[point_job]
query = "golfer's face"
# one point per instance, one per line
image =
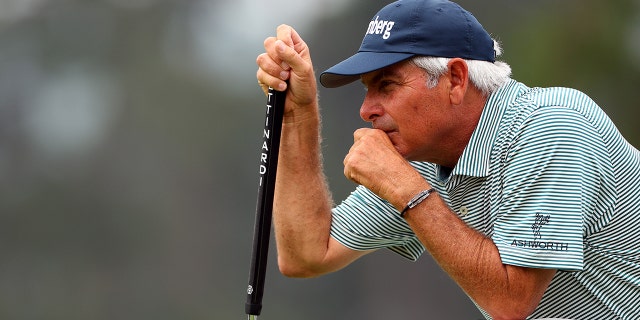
(399, 103)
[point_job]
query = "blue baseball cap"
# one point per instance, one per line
(408, 28)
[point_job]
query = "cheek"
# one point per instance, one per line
(402, 145)
(416, 133)
(419, 122)
(409, 136)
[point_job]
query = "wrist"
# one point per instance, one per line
(410, 186)
(416, 200)
(302, 114)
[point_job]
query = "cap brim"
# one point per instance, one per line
(358, 64)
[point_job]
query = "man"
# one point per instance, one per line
(527, 197)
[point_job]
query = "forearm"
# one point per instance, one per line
(470, 258)
(473, 261)
(302, 204)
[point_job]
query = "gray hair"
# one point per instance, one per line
(484, 75)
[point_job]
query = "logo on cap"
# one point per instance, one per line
(380, 27)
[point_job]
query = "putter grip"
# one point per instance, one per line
(262, 229)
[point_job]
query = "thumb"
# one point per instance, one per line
(286, 33)
(293, 60)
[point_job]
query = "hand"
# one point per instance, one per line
(286, 64)
(375, 163)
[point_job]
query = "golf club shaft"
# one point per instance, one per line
(266, 186)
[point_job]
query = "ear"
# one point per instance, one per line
(459, 77)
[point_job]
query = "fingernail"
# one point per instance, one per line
(284, 75)
(285, 65)
(282, 86)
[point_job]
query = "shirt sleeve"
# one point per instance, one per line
(549, 184)
(364, 221)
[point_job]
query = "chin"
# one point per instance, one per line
(404, 153)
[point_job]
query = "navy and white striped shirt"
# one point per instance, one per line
(548, 177)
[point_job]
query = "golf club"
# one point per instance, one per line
(266, 186)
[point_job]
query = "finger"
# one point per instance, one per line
(264, 88)
(292, 52)
(270, 48)
(272, 67)
(265, 63)
(298, 43)
(361, 133)
(348, 170)
(292, 39)
(290, 59)
(272, 71)
(286, 33)
(266, 80)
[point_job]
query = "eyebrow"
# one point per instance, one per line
(386, 72)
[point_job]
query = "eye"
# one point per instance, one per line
(384, 84)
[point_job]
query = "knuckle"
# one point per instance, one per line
(263, 61)
(268, 41)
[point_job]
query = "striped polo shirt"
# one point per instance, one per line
(548, 177)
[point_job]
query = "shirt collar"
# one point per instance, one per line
(476, 156)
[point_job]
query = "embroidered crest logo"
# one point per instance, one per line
(540, 221)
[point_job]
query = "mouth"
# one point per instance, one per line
(382, 128)
(388, 128)
(389, 132)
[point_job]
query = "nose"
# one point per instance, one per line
(370, 109)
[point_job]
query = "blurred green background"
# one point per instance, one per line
(129, 144)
